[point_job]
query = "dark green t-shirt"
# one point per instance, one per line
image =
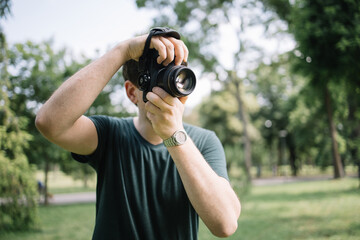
(139, 192)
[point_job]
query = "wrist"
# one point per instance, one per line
(178, 138)
(134, 47)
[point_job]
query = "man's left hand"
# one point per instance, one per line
(164, 112)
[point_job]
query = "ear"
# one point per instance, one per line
(131, 92)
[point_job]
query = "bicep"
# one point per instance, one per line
(81, 138)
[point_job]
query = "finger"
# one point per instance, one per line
(183, 99)
(165, 97)
(150, 107)
(157, 101)
(179, 48)
(150, 116)
(157, 44)
(186, 52)
(161, 99)
(170, 53)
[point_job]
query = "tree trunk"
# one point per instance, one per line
(353, 132)
(338, 167)
(243, 119)
(46, 195)
(292, 155)
(85, 180)
(280, 158)
(358, 165)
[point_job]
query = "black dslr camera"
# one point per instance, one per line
(178, 81)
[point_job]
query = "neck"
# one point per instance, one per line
(144, 127)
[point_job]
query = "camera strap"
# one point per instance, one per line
(158, 31)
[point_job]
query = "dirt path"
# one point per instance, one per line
(282, 180)
(71, 198)
(90, 197)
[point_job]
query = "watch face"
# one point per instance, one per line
(180, 137)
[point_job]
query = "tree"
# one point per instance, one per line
(277, 90)
(219, 112)
(201, 23)
(38, 70)
(18, 195)
(327, 34)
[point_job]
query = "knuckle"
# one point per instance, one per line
(171, 112)
(170, 47)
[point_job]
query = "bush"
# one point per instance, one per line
(18, 195)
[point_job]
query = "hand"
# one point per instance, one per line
(164, 112)
(168, 49)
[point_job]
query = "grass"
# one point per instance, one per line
(62, 183)
(60, 222)
(307, 210)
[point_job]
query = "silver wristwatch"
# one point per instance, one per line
(178, 138)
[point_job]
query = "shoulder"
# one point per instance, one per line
(108, 126)
(192, 130)
(200, 136)
(103, 120)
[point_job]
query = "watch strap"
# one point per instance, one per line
(172, 141)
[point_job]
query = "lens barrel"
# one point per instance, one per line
(179, 81)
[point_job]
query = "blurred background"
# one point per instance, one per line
(278, 81)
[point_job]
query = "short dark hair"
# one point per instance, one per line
(131, 72)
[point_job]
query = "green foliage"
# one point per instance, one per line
(18, 194)
(218, 113)
(328, 36)
(328, 45)
(37, 71)
(5, 8)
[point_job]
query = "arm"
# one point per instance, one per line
(211, 196)
(61, 118)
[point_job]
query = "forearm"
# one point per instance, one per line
(75, 95)
(211, 196)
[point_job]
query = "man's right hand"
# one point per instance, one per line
(168, 49)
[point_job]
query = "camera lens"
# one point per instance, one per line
(183, 82)
(179, 81)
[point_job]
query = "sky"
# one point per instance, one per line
(88, 26)
(84, 27)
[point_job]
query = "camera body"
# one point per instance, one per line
(178, 81)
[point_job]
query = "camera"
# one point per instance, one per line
(177, 80)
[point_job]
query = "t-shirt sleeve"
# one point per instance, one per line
(102, 125)
(214, 154)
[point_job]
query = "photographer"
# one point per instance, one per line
(155, 175)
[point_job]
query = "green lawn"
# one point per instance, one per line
(70, 222)
(307, 210)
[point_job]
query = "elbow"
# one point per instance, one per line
(39, 122)
(43, 125)
(226, 230)
(229, 226)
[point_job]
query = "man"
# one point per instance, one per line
(145, 189)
